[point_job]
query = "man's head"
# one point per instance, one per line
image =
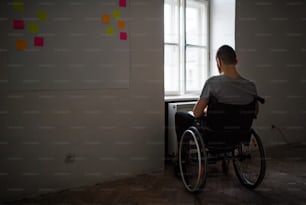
(226, 56)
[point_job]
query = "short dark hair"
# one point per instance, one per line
(227, 55)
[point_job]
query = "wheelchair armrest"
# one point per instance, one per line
(260, 99)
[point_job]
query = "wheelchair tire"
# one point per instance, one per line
(225, 167)
(192, 160)
(250, 163)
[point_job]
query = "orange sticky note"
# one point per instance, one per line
(121, 24)
(21, 45)
(106, 18)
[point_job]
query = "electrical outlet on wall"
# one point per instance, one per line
(280, 133)
(69, 158)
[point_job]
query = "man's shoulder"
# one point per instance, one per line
(214, 78)
(248, 81)
(219, 79)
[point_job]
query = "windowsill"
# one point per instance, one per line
(181, 98)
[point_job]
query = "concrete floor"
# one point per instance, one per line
(285, 183)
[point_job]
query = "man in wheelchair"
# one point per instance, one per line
(219, 124)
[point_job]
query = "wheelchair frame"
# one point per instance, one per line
(195, 155)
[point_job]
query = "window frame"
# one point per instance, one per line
(183, 46)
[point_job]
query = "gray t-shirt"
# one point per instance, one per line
(237, 91)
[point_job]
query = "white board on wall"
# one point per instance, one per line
(59, 45)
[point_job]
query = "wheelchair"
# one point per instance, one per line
(224, 135)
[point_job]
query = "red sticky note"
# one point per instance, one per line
(18, 24)
(38, 41)
(123, 36)
(122, 3)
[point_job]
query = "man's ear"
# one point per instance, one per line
(236, 61)
(218, 62)
(219, 65)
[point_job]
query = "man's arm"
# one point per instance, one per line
(199, 107)
(256, 108)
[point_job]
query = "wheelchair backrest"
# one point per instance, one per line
(228, 117)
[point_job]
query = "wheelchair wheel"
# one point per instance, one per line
(192, 160)
(225, 166)
(249, 162)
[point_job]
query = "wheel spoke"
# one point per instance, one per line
(250, 165)
(191, 156)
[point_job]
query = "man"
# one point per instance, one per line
(228, 87)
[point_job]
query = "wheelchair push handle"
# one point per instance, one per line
(260, 99)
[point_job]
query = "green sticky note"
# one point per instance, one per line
(109, 30)
(33, 27)
(42, 16)
(116, 14)
(18, 5)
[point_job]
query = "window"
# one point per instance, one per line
(185, 46)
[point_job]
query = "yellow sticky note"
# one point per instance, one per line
(42, 16)
(106, 18)
(116, 14)
(18, 5)
(109, 30)
(33, 28)
(121, 24)
(21, 45)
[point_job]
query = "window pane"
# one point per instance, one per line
(196, 68)
(171, 21)
(196, 22)
(171, 68)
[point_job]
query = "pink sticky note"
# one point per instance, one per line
(123, 36)
(122, 3)
(39, 41)
(18, 24)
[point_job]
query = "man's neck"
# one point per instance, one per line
(230, 71)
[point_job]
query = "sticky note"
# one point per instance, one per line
(121, 24)
(33, 28)
(109, 30)
(106, 18)
(38, 41)
(18, 5)
(116, 14)
(18, 24)
(122, 3)
(123, 36)
(42, 16)
(21, 45)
